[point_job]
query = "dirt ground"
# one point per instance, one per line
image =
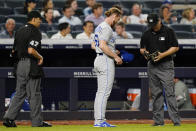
(87, 122)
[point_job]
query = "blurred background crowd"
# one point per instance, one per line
(77, 19)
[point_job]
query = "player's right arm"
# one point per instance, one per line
(104, 47)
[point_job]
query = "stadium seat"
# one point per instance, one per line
(136, 34)
(146, 11)
(78, 28)
(136, 27)
(19, 10)
(19, 18)
(55, 26)
(2, 19)
(107, 4)
(74, 33)
(2, 4)
(126, 11)
(59, 4)
(6, 11)
(52, 32)
(156, 10)
(15, 3)
(39, 4)
(82, 4)
(184, 35)
(18, 25)
(151, 4)
(179, 11)
(128, 4)
(44, 27)
(2, 27)
(182, 27)
(57, 19)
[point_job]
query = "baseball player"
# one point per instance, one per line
(104, 45)
(27, 45)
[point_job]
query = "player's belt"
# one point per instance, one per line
(99, 53)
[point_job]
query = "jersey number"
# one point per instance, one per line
(96, 39)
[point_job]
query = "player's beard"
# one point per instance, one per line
(113, 24)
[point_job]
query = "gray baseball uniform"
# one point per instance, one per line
(105, 68)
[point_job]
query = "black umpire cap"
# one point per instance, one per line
(33, 14)
(152, 19)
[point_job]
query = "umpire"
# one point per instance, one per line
(27, 46)
(161, 39)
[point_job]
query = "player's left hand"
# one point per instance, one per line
(159, 57)
(117, 52)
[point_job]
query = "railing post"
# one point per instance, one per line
(144, 100)
(73, 94)
(2, 97)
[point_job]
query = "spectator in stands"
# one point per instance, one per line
(48, 16)
(167, 16)
(74, 6)
(188, 16)
(88, 10)
(182, 95)
(68, 16)
(96, 16)
(137, 17)
(168, 3)
(29, 6)
(48, 4)
(64, 32)
(9, 29)
(120, 32)
(88, 34)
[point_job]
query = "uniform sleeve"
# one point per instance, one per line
(105, 34)
(35, 40)
(172, 41)
(143, 41)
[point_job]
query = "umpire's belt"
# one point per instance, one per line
(99, 54)
(24, 58)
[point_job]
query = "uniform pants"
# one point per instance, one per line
(26, 87)
(161, 78)
(105, 69)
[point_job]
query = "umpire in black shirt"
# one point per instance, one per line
(162, 40)
(27, 46)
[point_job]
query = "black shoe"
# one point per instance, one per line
(9, 123)
(45, 124)
(177, 124)
(156, 124)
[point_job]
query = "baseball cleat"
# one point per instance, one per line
(104, 124)
(156, 124)
(9, 123)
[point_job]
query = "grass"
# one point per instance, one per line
(130, 127)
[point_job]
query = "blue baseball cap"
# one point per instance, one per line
(126, 57)
(167, 2)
